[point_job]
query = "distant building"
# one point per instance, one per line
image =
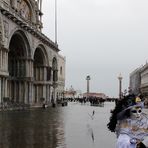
(139, 82)
(70, 93)
(135, 81)
(97, 95)
(144, 80)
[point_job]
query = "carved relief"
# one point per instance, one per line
(14, 4)
(23, 9)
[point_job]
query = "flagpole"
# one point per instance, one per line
(55, 21)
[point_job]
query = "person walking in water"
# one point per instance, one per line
(129, 123)
(92, 116)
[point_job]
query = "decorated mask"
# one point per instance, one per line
(135, 112)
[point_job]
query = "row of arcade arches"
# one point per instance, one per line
(30, 74)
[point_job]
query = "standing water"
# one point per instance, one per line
(74, 126)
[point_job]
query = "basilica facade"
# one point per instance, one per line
(31, 68)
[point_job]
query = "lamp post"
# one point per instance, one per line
(120, 86)
(88, 79)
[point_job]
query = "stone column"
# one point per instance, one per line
(30, 93)
(37, 93)
(40, 73)
(3, 90)
(37, 73)
(17, 68)
(14, 67)
(30, 68)
(45, 73)
(26, 63)
(32, 72)
(14, 91)
(55, 95)
(20, 92)
(4, 59)
(31, 85)
(52, 75)
(0, 90)
(25, 92)
(6, 89)
(51, 93)
(7, 60)
(1, 59)
(47, 93)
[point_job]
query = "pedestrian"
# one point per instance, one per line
(129, 122)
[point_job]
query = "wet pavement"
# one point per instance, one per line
(73, 126)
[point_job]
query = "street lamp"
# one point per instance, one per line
(120, 86)
(88, 79)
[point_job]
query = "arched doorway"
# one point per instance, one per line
(18, 57)
(41, 80)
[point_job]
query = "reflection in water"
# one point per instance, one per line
(31, 129)
(90, 125)
(73, 126)
(91, 133)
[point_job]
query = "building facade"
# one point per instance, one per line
(144, 80)
(94, 95)
(135, 81)
(31, 69)
(139, 80)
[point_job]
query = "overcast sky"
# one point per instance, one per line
(100, 38)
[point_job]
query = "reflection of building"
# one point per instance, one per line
(30, 65)
(97, 95)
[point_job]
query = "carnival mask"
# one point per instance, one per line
(135, 112)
